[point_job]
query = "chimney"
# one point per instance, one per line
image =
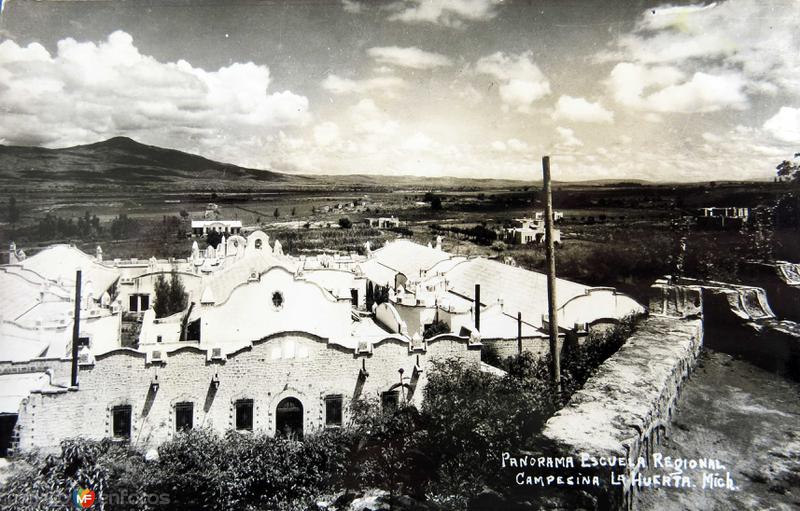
(477, 307)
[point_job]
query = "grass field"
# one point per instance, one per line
(618, 236)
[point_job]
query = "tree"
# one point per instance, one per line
(345, 223)
(213, 238)
(161, 303)
(277, 213)
(123, 227)
(170, 296)
(381, 294)
(293, 212)
(177, 294)
(788, 170)
(13, 211)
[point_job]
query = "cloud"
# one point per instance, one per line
(512, 144)
(352, 6)
(411, 57)
(666, 89)
(450, 13)
(568, 137)
(785, 125)
(521, 81)
(326, 134)
(499, 145)
(368, 119)
(573, 109)
(744, 37)
(87, 92)
(385, 84)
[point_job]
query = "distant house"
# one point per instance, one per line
(227, 227)
(722, 217)
(539, 216)
(529, 231)
(383, 222)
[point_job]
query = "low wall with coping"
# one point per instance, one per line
(624, 410)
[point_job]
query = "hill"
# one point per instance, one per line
(121, 162)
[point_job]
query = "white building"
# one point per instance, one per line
(226, 227)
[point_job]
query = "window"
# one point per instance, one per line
(333, 410)
(121, 422)
(390, 401)
(184, 416)
(244, 414)
(138, 303)
(277, 300)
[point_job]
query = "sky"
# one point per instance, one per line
(467, 88)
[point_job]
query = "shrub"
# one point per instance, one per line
(436, 328)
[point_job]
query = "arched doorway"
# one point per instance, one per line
(289, 419)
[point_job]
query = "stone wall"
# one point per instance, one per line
(625, 409)
(781, 281)
(289, 364)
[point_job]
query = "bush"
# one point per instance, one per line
(345, 223)
(473, 417)
(436, 328)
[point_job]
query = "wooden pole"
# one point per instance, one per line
(477, 313)
(555, 367)
(76, 328)
(519, 333)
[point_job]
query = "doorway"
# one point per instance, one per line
(7, 423)
(289, 419)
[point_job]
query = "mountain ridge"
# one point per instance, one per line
(124, 162)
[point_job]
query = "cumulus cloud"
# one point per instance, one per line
(568, 137)
(785, 125)
(667, 89)
(521, 81)
(573, 109)
(411, 57)
(326, 133)
(450, 13)
(367, 118)
(385, 84)
(715, 44)
(87, 92)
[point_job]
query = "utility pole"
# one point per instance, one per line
(76, 328)
(555, 367)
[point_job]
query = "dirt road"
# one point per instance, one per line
(747, 418)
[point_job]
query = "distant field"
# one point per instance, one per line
(613, 235)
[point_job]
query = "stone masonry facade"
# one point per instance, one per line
(287, 365)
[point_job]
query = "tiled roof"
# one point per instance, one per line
(409, 258)
(20, 292)
(378, 273)
(521, 290)
(59, 262)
